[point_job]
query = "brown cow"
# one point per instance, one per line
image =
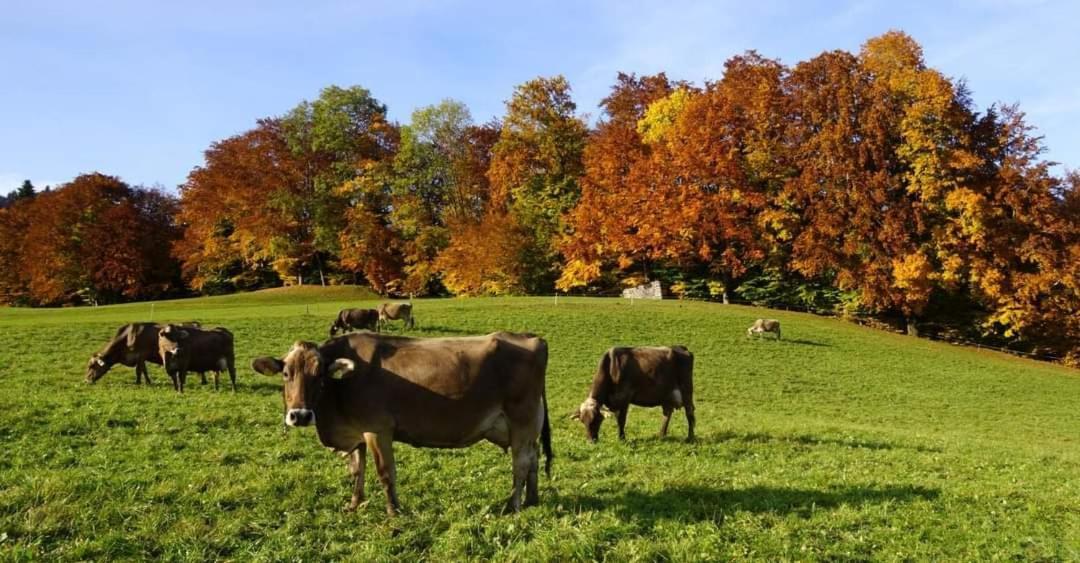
(184, 349)
(133, 345)
(355, 319)
(365, 390)
(643, 376)
(396, 312)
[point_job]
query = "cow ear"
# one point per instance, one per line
(268, 366)
(341, 368)
(576, 415)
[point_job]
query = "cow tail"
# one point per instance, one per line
(545, 438)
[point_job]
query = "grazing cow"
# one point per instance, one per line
(185, 349)
(133, 345)
(762, 326)
(643, 376)
(363, 391)
(396, 312)
(355, 319)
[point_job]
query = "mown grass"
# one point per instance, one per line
(838, 442)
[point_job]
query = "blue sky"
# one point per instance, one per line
(140, 88)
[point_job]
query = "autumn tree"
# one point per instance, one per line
(334, 139)
(482, 254)
(95, 239)
(425, 187)
(535, 169)
(239, 211)
(604, 233)
(1016, 233)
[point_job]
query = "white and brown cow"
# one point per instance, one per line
(396, 312)
(761, 326)
(364, 391)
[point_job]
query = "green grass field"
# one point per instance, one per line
(839, 442)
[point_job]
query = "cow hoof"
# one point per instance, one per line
(353, 505)
(511, 507)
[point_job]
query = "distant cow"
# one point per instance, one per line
(350, 319)
(183, 349)
(396, 312)
(762, 326)
(643, 376)
(363, 391)
(133, 345)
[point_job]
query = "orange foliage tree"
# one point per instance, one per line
(95, 239)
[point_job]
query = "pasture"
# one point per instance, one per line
(838, 442)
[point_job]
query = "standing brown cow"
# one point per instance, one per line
(364, 391)
(643, 376)
(349, 319)
(133, 345)
(185, 349)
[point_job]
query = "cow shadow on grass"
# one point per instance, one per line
(700, 503)
(811, 440)
(803, 342)
(437, 329)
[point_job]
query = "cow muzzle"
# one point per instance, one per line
(299, 417)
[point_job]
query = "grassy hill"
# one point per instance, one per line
(837, 442)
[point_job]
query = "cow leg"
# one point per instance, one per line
(686, 389)
(382, 450)
(231, 365)
(357, 460)
(217, 376)
(667, 419)
(202, 377)
(532, 494)
(522, 463)
(620, 417)
(181, 376)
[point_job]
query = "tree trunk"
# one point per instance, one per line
(911, 326)
(318, 264)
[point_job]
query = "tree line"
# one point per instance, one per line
(861, 183)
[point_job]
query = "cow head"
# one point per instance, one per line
(334, 328)
(590, 414)
(172, 338)
(304, 372)
(96, 367)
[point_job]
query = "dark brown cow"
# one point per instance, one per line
(396, 312)
(643, 376)
(355, 319)
(365, 390)
(133, 345)
(184, 349)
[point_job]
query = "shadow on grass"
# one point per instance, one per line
(806, 342)
(436, 329)
(703, 503)
(811, 440)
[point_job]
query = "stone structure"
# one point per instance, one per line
(648, 291)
